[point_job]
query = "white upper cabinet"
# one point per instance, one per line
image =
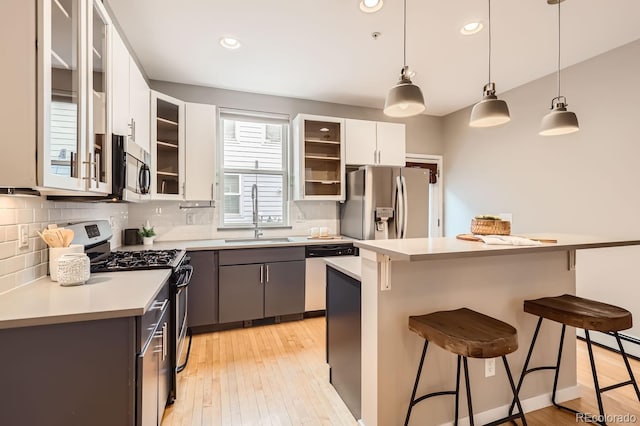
(375, 143)
(131, 97)
(167, 148)
(391, 142)
(139, 101)
(59, 97)
(200, 155)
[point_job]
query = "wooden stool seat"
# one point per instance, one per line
(581, 313)
(467, 333)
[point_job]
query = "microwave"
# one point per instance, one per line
(131, 175)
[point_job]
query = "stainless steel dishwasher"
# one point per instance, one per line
(316, 273)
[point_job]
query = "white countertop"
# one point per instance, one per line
(105, 295)
(193, 245)
(415, 249)
(349, 265)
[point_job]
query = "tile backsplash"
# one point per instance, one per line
(21, 265)
(172, 223)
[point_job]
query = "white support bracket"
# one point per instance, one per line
(384, 272)
(571, 260)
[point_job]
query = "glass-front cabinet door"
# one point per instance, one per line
(61, 50)
(99, 100)
(74, 131)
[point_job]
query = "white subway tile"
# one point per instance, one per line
(11, 265)
(7, 282)
(10, 202)
(24, 215)
(8, 250)
(33, 259)
(12, 233)
(7, 217)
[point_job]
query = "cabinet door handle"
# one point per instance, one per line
(379, 152)
(261, 274)
(164, 341)
(267, 273)
(375, 153)
(159, 306)
(212, 192)
(132, 127)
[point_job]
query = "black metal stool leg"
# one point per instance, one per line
(514, 390)
(457, 391)
(526, 364)
(595, 375)
(466, 383)
(415, 386)
(555, 378)
(626, 363)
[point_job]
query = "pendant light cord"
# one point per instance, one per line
(558, 74)
(489, 42)
(404, 62)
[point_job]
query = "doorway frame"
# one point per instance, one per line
(436, 219)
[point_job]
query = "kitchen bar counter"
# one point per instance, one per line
(418, 276)
(105, 295)
(414, 249)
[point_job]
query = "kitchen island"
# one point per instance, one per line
(417, 276)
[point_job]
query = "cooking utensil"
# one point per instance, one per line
(67, 236)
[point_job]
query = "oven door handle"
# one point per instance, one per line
(188, 269)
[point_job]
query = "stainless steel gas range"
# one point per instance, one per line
(95, 237)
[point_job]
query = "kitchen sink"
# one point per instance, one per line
(257, 240)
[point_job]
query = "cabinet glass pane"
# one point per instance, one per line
(99, 76)
(322, 159)
(64, 129)
(167, 141)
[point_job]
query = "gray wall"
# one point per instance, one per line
(585, 183)
(424, 133)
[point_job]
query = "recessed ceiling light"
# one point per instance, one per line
(471, 28)
(230, 43)
(370, 6)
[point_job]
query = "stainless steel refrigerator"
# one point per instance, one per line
(386, 202)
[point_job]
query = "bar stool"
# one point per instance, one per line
(466, 333)
(580, 313)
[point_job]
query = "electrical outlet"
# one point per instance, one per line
(112, 222)
(190, 219)
(489, 367)
(23, 236)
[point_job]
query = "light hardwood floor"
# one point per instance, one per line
(277, 375)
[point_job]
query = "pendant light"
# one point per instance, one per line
(490, 111)
(405, 98)
(559, 121)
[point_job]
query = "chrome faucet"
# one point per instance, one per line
(254, 201)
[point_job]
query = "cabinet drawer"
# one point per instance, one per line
(260, 255)
(150, 319)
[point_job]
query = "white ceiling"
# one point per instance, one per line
(323, 49)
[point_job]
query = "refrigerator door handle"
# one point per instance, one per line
(399, 208)
(405, 208)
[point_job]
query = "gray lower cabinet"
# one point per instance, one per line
(260, 283)
(283, 293)
(203, 289)
(241, 292)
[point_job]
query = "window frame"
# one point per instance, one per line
(255, 117)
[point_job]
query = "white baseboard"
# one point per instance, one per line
(528, 405)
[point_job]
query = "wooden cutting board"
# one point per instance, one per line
(471, 237)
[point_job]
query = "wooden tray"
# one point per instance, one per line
(471, 237)
(328, 237)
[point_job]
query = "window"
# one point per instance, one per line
(254, 153)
